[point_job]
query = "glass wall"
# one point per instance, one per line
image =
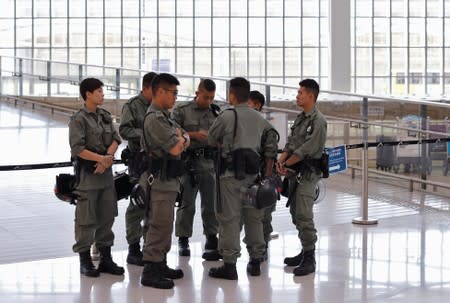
(277, 41)
(399, 47)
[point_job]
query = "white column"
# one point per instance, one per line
(339, 53)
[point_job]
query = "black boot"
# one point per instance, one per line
(226, 271)
(183, 247)
(107, 264)
(87, 268)
(294, 261)
(253, 267)
(172, 273)
(153, 276)
(135, 255)
(308, 264)
(211, 253)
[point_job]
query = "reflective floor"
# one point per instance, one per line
(404, 258)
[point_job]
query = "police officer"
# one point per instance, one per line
(238, 133)
(93, 142)
(164, 141)
(196, 117)
(256, 101)
(131, 124)
(304, 147)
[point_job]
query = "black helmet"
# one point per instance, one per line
(138, 196)
(263, 193)
(123, 185)
(65, 187)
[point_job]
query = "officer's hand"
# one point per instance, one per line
(107, 161)
(201, 135)
(99, 168)
(281, 169)
(187, 141)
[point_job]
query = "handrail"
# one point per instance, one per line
(331, 92)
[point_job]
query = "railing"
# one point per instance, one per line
(353, 118)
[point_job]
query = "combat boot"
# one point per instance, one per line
(107, 264)
(211, 253)
(183, 247)
(172, 273)
(153, 276)
(135, 255)
(308, 264)
(253, 267)
(294, 261)
(87, 268)
(226, 271)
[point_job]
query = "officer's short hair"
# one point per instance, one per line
(162, 80)
(148, 79)
(312, 86)
(240, 88)
(207, 84)
(89, 85)
(258, 97)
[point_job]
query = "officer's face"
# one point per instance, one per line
(96, 96)
(204, 98)
(169, 95)
(304, 97)
(254, 104)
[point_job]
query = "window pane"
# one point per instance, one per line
(292, 8)
(76, 55)
(94, 8)
(257, 63)
(381, 67)
(94, 56)
(274, 31)
(220, 32)
(202, 7)
(274, 8)
(202, 31)
(23, 32)
(167, 60)
(434, 56)
(147, 57)
(400, 8)
(381, 32)
(220, 64)
(94, 32)
(220, 8)
(185, 8)
(113, 57)
(131, 8)
(77, 32)
(434, 32)
(238, 62)
(7, 33)
(311, 8)
(203, 61)
(77, 8)
(381, 86)
(256, 35)
(399, 57)
(167, 8)
(59, 32)
(293, 61)
(434, 8)
(238, 8)
(417, 8)
(255, 8)
(417, 32)
(381, 8)
(184, 32)
(149, 8)
(292, 32)
(310, 62)
(131, 58)
(167, 32)
(184, 61)
(112, 32)
(148, 27)
(310, 32)
(41, 8)
(130, 32)
(363, 62)
(238, 32)
(274, 62)
(363, 32)
(23, 8)
(7, 10)
(363, 8)
(399, 35)
(59, 8)
(417, 59)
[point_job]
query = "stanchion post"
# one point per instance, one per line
(20, 77)
(365, 220)
(117, 88)
(423, 147)
(49, 75)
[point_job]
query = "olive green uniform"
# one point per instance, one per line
(307, 139)
(249, 131)
(200, 176)
(96, 204)
(131, 125)
(158, 138)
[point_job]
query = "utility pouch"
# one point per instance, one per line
(323, 165)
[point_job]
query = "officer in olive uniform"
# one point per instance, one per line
(164, 141)
(131, 124)
(93, 142)
(256, 101)
(238, 133)
(303, 149)
(196, 117)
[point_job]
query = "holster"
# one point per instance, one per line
(166, 168)
(242, 161)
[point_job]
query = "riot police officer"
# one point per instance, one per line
(302, 153)
(131, 124)
(93, 142)
(163, 140)
(196, 117)
(238, 134)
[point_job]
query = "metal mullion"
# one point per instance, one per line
(212, 39)
(50, 25)
(355, 87)
(140, 50)
(426, 49)
(373, 47)
(390, 48)
(176, 37)
(121, 34)
(157, 35)
(320, 44)
(85, 32)
(68, 34)
(443, 49)
(301, 39)
(229, 38)
(248, 38)
(104, 35)
(193, 42)
(284, 43)
(265, 40)
(408, 52)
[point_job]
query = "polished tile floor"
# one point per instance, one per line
(404, 258)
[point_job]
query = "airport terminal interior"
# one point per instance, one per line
(383, 215)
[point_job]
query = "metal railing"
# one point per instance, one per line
(362, 113)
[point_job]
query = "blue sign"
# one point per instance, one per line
(448, 149)
(337, 159)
